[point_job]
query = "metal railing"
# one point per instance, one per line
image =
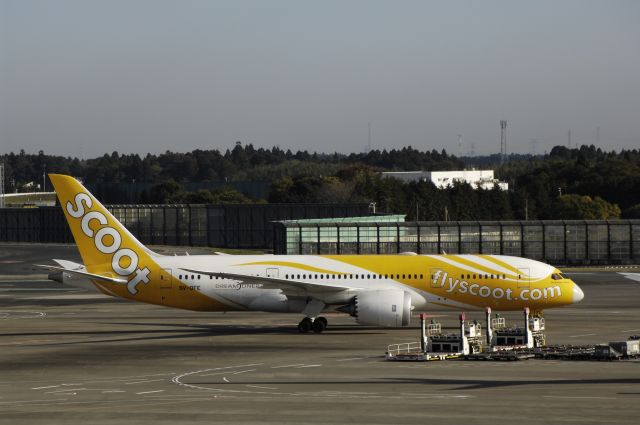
(404, 348)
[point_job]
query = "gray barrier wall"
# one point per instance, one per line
(575, 242)
(224, 226)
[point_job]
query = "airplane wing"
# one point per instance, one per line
(84, 273)
(289, 287)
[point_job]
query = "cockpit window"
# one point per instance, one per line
(556, 276)
(562, 276)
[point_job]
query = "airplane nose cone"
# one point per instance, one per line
(578, 295)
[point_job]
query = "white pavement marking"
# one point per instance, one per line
(310, 365)
(244, 371)
(576, 336)
(348, 360)
(631, 330)
(150, 392)
(146, 380)
(262, 388)
(224, 378)
(66, 390)
(287, 365)
(11, 314)
(632, 276)
(43, 388)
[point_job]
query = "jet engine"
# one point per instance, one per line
(390, 308)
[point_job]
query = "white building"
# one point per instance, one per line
(482, 179)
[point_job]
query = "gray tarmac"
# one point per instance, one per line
(68, 356)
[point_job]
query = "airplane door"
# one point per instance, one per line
(166, 280)
(523, 278)
(272, 272)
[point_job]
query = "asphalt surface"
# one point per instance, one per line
(68, 356)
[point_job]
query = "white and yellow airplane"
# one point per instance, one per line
(379, 290)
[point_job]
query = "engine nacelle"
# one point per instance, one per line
(382, 308)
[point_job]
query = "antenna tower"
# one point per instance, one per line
(503, 140)
(459, 145)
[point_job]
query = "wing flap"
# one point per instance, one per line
(289, 286)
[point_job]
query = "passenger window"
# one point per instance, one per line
(193, 277)
(474, 276)
(421, 277)
(356, 276)
(415, 276)
(199, 277)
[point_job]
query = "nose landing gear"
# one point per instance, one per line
(317, 326)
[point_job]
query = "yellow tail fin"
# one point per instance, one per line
(106, 246)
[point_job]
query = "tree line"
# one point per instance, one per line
(580, 183)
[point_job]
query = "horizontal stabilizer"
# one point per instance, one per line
(85, 274)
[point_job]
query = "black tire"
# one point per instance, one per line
(322, 319)
(318, 326)
(305, 325)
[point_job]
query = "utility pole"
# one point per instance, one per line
(446, 213)
(459, 145)
(1, 184)
(526, 208)
(569, 139)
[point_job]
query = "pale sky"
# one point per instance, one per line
(82, 77)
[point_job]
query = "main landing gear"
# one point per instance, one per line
(307, 324)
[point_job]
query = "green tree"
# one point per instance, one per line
(584, 207)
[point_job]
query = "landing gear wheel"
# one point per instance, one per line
(305, 325)
(323, 320)
(319, 325)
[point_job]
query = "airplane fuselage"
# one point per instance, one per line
(460, 281)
